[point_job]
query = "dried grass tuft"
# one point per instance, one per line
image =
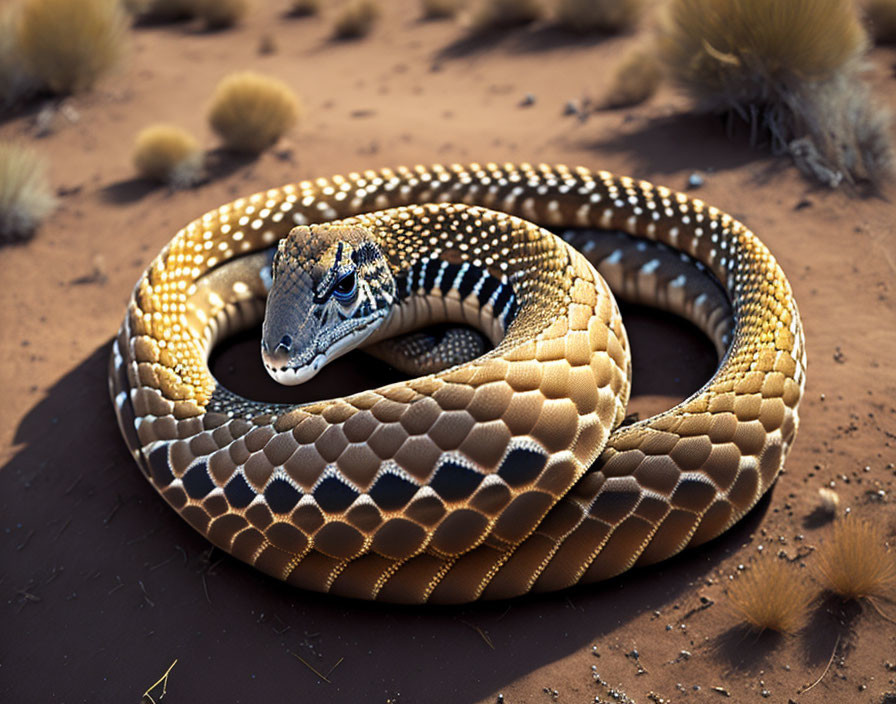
(771, 595)
(303, 8)
(221, 14)
(611, 16)
(250, 112)
(15, 81)
(441, 9)
(791, 70)
(488, 15)
(356, 19)
(855, 561)
(70, 44)
(881, 17)
(25, 195)
(635, 79)
(168, 154)
(162, 10)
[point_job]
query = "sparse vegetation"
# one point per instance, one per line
(356, 19)
(771, 595)
(302, 8)
(162, 10)
(25, 195)
(15, 81)
(69, 44)
(250, 112)
(498, 14)
(881, 16)
(168, 154)
(220, 14)
(791, 70)
(440, 9)
(610, 16)
(855, 561)
(635, 80)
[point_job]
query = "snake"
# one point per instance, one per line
(509, 473)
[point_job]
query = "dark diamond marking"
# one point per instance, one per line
(238, 492)
(197, 482)
(333, 495)
(453, 481)
(158, 466)
(281, 496)
(521, 466)
(391, 492)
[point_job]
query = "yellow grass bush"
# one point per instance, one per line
(771, 595)
(881, 16)
(635, 79)
(15, 80)
(69, 44)
(855, 561)
(162, 10)
(168, 154)
(302, 8)
(220, 14)
(25, 195)
(250, 112)
(790, 69)
(356, 19)
(598, 15)
(497, 14)
(440, 9)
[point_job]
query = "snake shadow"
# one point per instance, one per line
(105, 586)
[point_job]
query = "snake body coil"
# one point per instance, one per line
(495, 477)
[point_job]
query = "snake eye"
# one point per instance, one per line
(345, 287)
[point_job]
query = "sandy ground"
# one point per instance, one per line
(104, 586)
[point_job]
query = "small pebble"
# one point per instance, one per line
(695, 180)
(571, 108)
(528, 100)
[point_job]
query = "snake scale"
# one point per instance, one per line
(495, 477)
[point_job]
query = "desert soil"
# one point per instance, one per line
(104, 586)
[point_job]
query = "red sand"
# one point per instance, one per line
(105, 586)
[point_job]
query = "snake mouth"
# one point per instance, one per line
(292, 374)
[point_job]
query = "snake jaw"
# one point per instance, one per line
(283, 370)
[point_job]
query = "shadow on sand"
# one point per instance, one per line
(96, 558)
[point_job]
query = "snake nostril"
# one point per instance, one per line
(285, 342)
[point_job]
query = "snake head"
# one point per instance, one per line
(332, 287)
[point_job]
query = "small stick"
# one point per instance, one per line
(488, 641)
(338, 662)
(118, 505)
(311, 667)
(61, 530)
(163, 680)
(821, 677)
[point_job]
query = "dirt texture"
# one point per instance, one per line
(104, 586)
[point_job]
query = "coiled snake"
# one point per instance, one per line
(489, 479)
